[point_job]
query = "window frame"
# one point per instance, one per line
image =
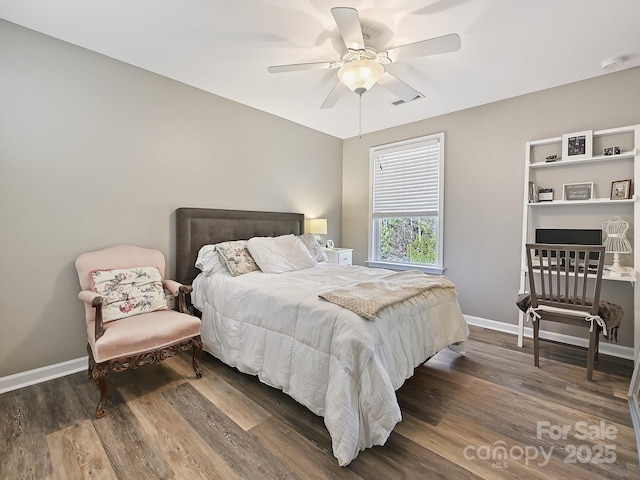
(373, 240)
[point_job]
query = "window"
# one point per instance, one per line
(407, 204)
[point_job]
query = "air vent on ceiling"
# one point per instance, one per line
(402, 102)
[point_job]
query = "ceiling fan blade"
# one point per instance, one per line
(348, 23)
(433, 46)
(398, 87)
(338, 89)
(298, 66)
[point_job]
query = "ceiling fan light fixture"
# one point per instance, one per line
(360, 75)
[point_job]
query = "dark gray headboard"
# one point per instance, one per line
(196, 227)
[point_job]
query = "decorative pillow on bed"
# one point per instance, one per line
(280, 254)
(209, 261)
(236, 256)
(314, 247)
(129, 291)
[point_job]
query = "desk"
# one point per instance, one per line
(629, 274)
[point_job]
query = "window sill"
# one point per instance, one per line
(431, 269)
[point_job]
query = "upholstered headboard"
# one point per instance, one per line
(196, 227)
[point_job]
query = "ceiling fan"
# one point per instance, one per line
(361, 67)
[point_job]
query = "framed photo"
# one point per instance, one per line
(607, 151)
(620, 189)
(577, 191)
(576, 146)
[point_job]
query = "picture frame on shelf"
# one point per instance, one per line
(577, 191)
(608, 151)
(577, 146)
(621, 189)
(545, 194)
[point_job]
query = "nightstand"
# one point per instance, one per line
(339, 256)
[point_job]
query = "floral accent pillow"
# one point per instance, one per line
(314, 247)
(129, 291)
(236, 256)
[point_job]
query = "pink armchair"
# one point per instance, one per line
(147, 331)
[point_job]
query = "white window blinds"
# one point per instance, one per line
(407, 179)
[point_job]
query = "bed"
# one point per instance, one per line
(338, 364)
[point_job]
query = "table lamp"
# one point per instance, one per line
(616, 242)
(317, 227)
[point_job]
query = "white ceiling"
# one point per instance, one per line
(509, 48)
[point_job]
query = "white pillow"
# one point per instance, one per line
(209, 261)
(280, 254)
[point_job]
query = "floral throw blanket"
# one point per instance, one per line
(368, 298)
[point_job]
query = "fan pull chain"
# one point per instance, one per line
(360, 116)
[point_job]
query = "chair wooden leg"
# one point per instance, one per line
(99, 375)
(98, 371)
(101, 381)
(197, 348)
(591, 353)
(91, 361)
(536, 346)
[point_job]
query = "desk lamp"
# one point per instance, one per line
(616, 242)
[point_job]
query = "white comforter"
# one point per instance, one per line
(334, 362)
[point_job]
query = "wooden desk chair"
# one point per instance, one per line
(564, 286)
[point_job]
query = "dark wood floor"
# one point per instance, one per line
(457, 412)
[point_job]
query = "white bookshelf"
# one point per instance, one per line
(599, 169)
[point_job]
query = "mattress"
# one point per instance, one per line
(329, 359)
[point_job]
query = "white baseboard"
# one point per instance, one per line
(42, 374)
(605, 348)
(38, 375)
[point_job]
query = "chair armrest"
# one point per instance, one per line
(95, 300)
(180, 291)
(172, 286)
(89, 296)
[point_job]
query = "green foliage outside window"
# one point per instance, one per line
(408, 239)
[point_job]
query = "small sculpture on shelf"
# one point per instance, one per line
(616, 243)
(551, 158)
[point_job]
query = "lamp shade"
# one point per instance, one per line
(360, 75)
(318, 226)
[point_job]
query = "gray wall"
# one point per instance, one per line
(95, 152)
(484, 172)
